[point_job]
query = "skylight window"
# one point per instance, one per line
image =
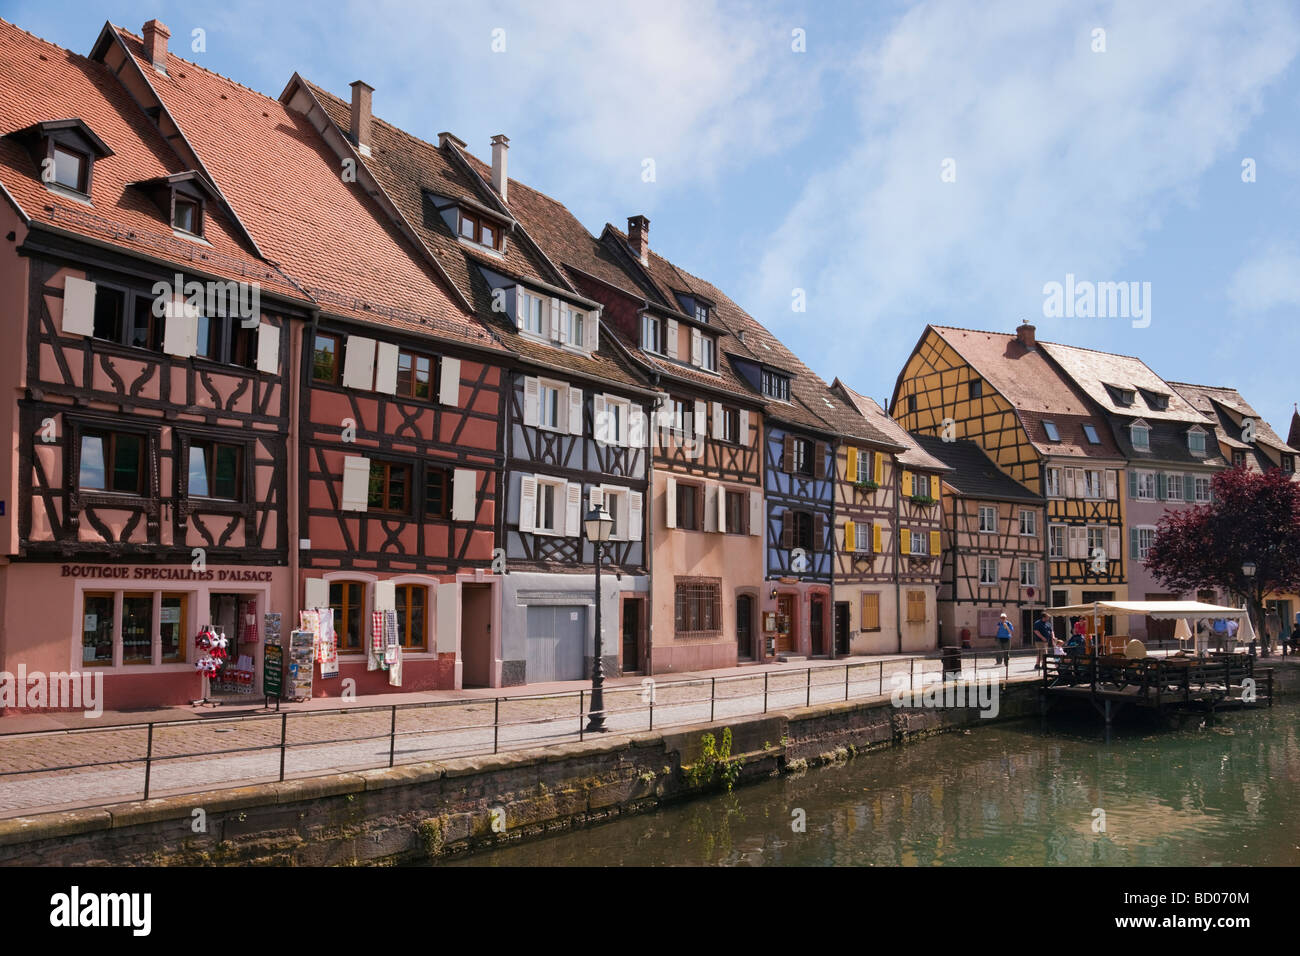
(1051, 430)
(1091, 434)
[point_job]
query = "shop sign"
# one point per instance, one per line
(101, 572)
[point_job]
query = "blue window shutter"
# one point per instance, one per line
(1132, 483)
(1133, 543)
(1161, 484)
(1189, 488)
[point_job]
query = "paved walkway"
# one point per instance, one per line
(212, 748)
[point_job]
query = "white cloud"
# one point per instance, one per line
(1066, 161)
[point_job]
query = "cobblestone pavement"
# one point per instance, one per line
(39, 771)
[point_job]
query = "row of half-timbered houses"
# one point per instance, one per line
(278, 354)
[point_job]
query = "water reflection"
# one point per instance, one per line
(1016, 794)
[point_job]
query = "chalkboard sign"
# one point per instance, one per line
(272, 670)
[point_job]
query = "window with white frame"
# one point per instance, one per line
(988, 572)
(708, 353)
(1196, 441)
(615, 501)
(1096, 540)
(921, 486)
(1174, 487)
(1141, 436)
(1028, 523)
(1144, 485)
(988, 519)
(532, 307)
(574, 325)
(1028, 574)
(1202, 488)
(1053, 482)
(920, 542)
(550, 506)
(1092, 484)
(1142, 539)
(653, 335)
(552, 401)
(864, 466)
(1056, 541)
(613, 421)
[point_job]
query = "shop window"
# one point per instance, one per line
(346, 599)
(325, 363)
(137, 628)
(97, 628)
(412, 604)
(112, 461)
(216, 471)
(172, 627)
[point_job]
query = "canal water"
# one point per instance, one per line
(1223, 793)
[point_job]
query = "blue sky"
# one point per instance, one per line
(821, 169)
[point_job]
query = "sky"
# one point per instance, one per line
(851, 172)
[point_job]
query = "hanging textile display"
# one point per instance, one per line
(248, 621)
(395, 667)
(375, 646)
(329, 645)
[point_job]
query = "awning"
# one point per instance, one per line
(1160, 610)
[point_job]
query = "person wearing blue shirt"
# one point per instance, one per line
(1005, 630)
(1043, 634)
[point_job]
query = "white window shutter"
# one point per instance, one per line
(532, 390)
(317, 593)
(555, 320)
(636, 429)
(595, 497)
(591, 331)
(448, 617)
(385, 596)
(181, 329)
(701, 410)
(710, 507)
(359, 363)
(601, 430)
(717, 419)
(386, 368)
(449, 383)
(527, 502)
(356, 483)
(521, 306)
(575, 411)
(756, 512)
(1111, 485)
(670, 347)
(743, 436)
(464, 486)
(573, 511)
(78, 306)
(670, 502)
(1114, 544)
(722, 509)
(645, 331)
(268, 348)
(635, 504)
(697, 348)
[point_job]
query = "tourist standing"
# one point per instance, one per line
(1043, 634)
(1005, 630)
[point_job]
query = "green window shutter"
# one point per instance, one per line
(1189, 488)
(1133, 543)
(1162, 483)
(1132, 483)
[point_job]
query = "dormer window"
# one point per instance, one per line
(1140, 433)
(182, 197)
(1196, 441)
(1156, 401)
(64, 152)
(1124, 397)
(701, 312)
(187, 215)
(776, 386)
(478, 229)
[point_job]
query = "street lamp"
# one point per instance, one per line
(599, 527)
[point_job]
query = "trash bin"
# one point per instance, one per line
(951, 657)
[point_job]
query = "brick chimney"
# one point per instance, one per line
(360, 122)
(500, 146)
(155, 44)
(1025, 335)
(638, 236)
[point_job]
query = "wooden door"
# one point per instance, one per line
(816, 625)
(632, 634)
(785, 623)
(745, 627)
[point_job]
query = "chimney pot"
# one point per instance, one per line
(155, 44)
(1025, 335)
(638, 236)
(500, 179)
(360, 120)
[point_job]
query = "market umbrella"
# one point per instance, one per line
(1247, 632)
(1182, 631)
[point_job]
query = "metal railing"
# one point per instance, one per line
(429, 731)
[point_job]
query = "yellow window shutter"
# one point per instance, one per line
(880, 468)
(904, 541)
(849, 530)
(907, 484)
(934, 542)
(851, 472)
(875, 538)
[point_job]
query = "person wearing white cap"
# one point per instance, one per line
(1005, 630)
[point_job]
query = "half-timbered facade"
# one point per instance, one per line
(399, 392)
(994, 550)
(574, 416)
(1003, 393)
(889, 502)
(148, 388)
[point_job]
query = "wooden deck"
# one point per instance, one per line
(1111, 682)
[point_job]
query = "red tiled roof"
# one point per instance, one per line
(913, 454)
(284, 183)
(43, 82)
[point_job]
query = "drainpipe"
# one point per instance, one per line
(297, 378)
(898, 554)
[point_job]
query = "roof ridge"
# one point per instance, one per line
(208, 70)
(43, 41)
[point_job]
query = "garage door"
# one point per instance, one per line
(556, 638)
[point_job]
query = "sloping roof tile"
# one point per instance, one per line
(972, 473)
